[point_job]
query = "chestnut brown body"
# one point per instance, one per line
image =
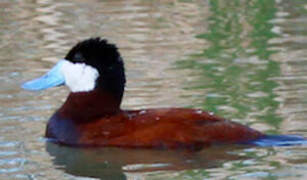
(95, 119)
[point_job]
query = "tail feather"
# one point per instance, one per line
(279, 140)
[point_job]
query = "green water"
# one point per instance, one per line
(236, 67)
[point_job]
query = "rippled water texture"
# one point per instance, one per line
(245, 60)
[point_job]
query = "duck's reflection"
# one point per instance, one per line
(112, 163)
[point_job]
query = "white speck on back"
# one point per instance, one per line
(211, 113)
(142, 112)
(199, 111)
(79, 77)
(106, 133)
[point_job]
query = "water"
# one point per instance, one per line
(245, 60)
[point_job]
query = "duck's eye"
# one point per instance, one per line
(78, 58)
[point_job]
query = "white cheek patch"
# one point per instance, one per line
(79, 77)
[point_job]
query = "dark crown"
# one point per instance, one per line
(91, 51)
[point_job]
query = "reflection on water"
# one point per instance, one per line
(117, 163)
(243, 59)
(235, 70)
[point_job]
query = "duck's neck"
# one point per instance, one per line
(86, 106)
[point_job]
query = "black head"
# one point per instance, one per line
(104, 57)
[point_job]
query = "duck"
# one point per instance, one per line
(91, 116)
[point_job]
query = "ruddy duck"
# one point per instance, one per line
(91, 116)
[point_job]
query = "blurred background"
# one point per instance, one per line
(245, 60)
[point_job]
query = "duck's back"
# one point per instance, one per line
(160, 128)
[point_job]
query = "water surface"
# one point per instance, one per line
(245, 60)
